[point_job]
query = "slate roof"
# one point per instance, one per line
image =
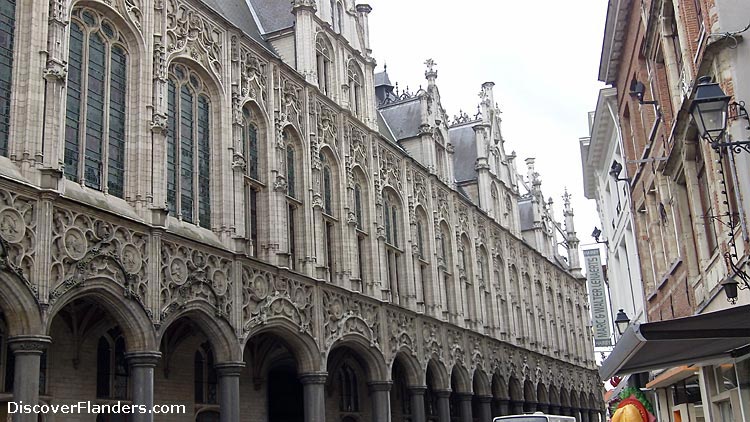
(238, 13)
(464, 152)
(384, 130)
(272, 14)
(404, 118)
(526, 213)
(381, 78)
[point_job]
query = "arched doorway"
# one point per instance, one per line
(273, 371)
(401, 406)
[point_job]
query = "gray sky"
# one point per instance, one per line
(542, 55)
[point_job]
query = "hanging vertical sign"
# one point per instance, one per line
(597, 298)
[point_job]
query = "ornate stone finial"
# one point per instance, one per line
(303, 4)
(430, 65)
(431, 72)
(566, 201)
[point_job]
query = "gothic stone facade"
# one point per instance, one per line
(190, 214)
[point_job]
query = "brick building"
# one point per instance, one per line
(207, 203)
(689, 199)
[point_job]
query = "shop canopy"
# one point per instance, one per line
(696, 339)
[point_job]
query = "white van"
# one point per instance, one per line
(534, 417)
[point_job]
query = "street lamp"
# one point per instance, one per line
(615, 171)
(622, 321)
(710, 109)
(596, 233)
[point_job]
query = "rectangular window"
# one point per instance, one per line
(361, 258)
(291, 236)
(186, 154)
(116, 159)
(73, 102)
(94, 113)
(171, 149)
(204, 165)
(706, 205)
(252, 222)
(7, 27)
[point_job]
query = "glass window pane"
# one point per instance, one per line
(172, 148)
(7, 26)
(204, 164)
(94, 112)
(73, 102)
(186, 154)
(116, 165)
(290, 171)
(252, 148)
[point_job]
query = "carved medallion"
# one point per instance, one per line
(75, 243)
(12, 227)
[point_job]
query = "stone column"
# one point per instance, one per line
(542, 407)
(516, 407)
(554, 410)
(142, 366)
(584, 415)
(444, 405)
(229, 390)
(464, 405)
(313, 385)
(485, 408)
(593, 415)
(27, 351)
(503, 407)
(380, 391)
(417, 403)
(529, 407)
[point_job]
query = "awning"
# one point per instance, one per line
(680, 341)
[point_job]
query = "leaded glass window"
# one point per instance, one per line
(355, 89)
(420, 241)
(205, 376)
(250, 143)
(324, 63)
(327, 188)
(358, 204)
(7, 27)
(188, 147)
(111, 367)
(96, 104)
(290, 180)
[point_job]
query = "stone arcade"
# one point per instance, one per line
(206, 203)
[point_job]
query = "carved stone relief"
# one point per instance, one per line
(189, 274)
(84, 248)
(18, 235)
(345, 315)
(190, 32)
(266, 297)
(402, 333)
(390, 169)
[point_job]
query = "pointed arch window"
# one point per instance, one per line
(96, 103)
(362, 222)
(358, 204)
(340, 16)
(250, 143)
(324, 62)
(355, 89)
(111, 367)
(348, 389)
(206, 380)
(7, 29)
(393, 253)
(188, 147)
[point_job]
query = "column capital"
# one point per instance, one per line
(313, 378)
(417, 389)
(485, 399)
(29, 344)
(380, 385)
(464, 396)
(228, 369)
(443, 394)
(144, 358)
